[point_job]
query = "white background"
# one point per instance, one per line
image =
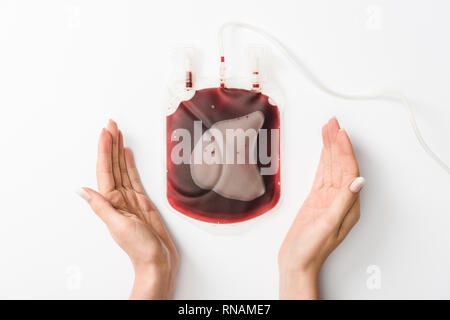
(68, 66)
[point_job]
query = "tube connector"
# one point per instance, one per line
(189, 85)
(254, 56)
(222, 72)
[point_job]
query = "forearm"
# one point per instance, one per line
(299, 285)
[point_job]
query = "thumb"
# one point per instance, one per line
(346, 198)
(100, 205)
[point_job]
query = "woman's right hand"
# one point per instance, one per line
(132, 219)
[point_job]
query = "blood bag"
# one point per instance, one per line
(223, 141)
(223, 147)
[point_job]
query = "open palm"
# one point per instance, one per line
(129, 214)
(330, 210)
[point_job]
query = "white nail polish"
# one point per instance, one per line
(83, 194)
(357, 185)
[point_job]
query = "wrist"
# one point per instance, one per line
(151, 282)
(299, 284)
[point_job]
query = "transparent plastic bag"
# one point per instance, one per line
(228, 193)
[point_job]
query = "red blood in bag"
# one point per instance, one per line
(210, 106)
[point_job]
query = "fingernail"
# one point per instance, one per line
(357, 185)
(83, 194)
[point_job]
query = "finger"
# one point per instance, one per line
(101, 207)
(318, 179)
(350, 220)
(336, 172)
(326, 156)
(320, 173)
(344, 200)
(333, 128)
(114, 131)
(105, 178)
(132, 171)
(346, 157)
(123, 166)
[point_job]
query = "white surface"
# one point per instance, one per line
(68, 66)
